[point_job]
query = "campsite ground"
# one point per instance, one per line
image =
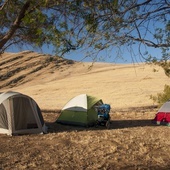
(133, 142)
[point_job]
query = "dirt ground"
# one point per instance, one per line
(133, 142)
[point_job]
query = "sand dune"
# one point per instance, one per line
(53, 82)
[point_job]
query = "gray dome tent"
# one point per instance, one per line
(20, 114)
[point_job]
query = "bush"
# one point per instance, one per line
(161, 98)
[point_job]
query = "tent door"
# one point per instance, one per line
(24, 114)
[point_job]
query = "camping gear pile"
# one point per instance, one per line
(103, 115)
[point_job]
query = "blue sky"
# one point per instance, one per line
(127, 56)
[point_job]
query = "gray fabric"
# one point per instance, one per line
(23, 117)
(165, 107)
(40, 115)
(4, 96)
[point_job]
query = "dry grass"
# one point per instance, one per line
(132, 143)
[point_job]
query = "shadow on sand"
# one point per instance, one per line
(120, 124)
(115, 124)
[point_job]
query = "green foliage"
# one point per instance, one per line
(164, 62)
(96, 25)
(161, 98)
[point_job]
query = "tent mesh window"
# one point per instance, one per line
(3, 117)
(24, 114)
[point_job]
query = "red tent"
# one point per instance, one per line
(163, 115)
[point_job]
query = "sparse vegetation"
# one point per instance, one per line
(13, 82)
(164, 64)
(49, 59)
(161, 98)
(26, 64)
(10, 60)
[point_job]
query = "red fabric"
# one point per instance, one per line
(162, 116)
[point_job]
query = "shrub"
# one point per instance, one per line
(161, 98)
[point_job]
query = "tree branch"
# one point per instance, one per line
(2, 6)
(15, 25)
(148, 42)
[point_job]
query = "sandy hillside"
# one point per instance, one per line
(53, 82)
(133, 142)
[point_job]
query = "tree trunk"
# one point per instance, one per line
(15, 25)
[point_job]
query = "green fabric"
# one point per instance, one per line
(91, 115)
(73, 116)
(79, 117)
(91, 101)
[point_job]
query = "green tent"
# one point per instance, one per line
(80, 110)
